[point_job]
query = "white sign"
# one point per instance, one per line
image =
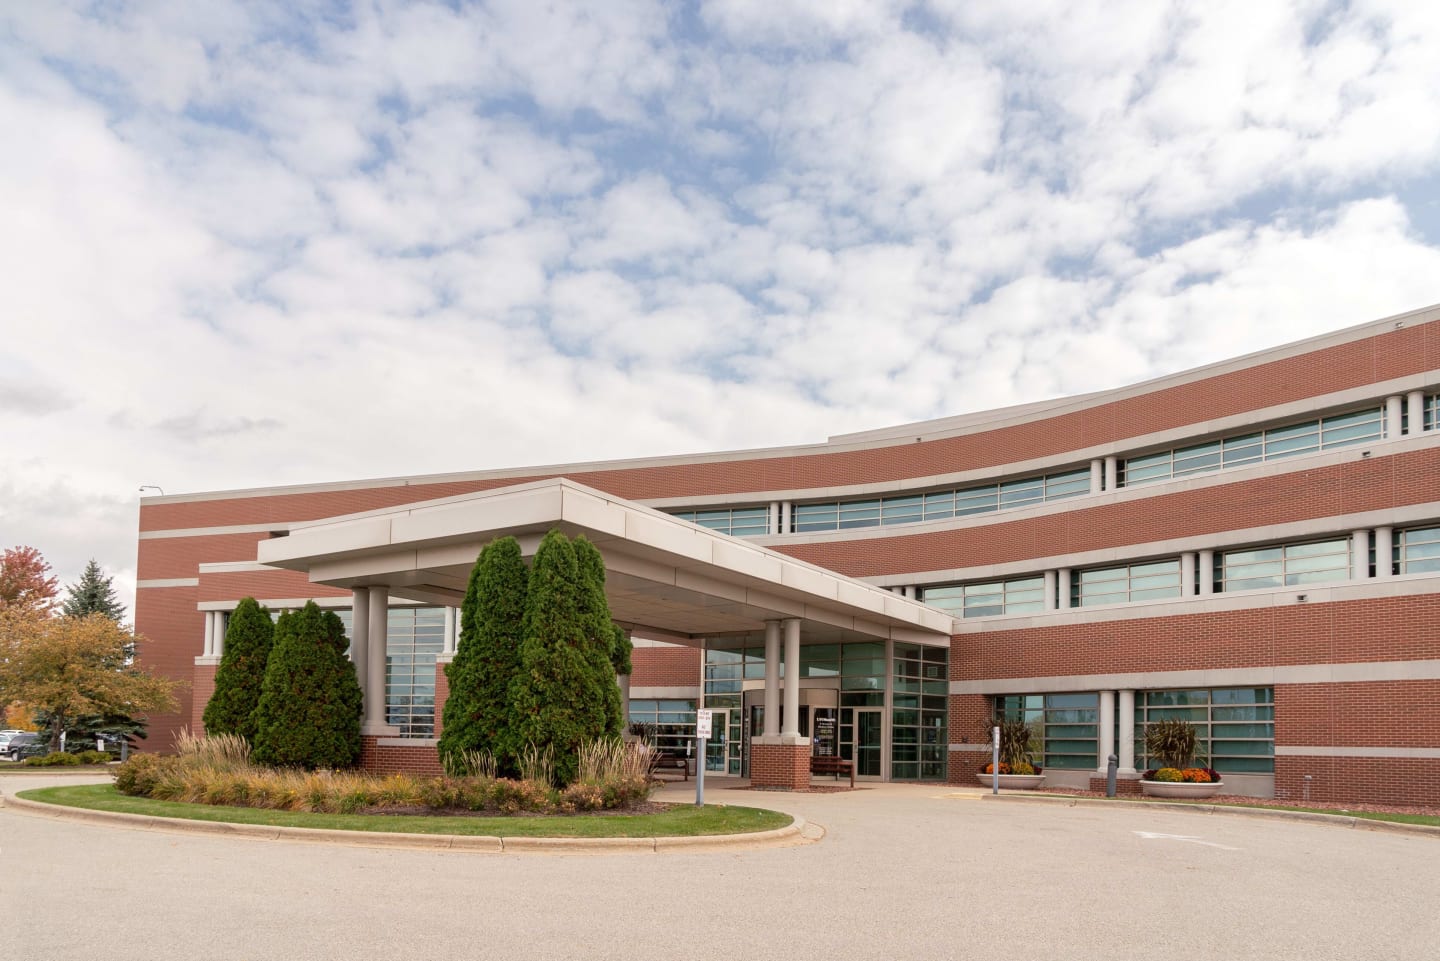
(702, 723)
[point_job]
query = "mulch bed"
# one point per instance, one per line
(1336, 806)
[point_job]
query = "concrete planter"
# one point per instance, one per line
(1180, 789)
(1013, 782)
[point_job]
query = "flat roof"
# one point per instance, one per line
(665, 577)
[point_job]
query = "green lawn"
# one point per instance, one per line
(682, 820)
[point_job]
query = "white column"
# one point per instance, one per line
(448, 645)
(1049, 590)
(772, 518)
(1107, 730)
(209, 634)
(910, 591)
(1187, 574)
(375, 658)
(1126, 719)
(1207, 572)
(1416, 400)
(1112, 473)
(1383, 551)
(1392, 416)
(1097, 475)
(791, 727)
(772, 678)
(1062, 588)
(785, 510)
(360, 636)
(1360, 555)
(219, 649)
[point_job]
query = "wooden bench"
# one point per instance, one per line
(664, 759)
(831, 764)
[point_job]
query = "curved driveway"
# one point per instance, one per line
(903, 872)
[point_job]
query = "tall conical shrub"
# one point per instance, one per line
(478, 713)
(241, 675)
(599, 630)
(558, 701)
(309, 710)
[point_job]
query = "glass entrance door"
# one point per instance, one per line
(861, 738)
(716, 746)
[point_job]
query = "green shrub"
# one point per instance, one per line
(240, 677)
(57, 759)
(309, 710)
(1171, 742)
(138, 776)
(1169, 774)
(94, 757)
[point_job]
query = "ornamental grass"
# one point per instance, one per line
(218, 771)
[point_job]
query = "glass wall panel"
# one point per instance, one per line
(415, 635)
(919, 744)
(1234, 727)
(1064, 724)
(993, 597)
(1419, 550)
(1149, 580)
(1285, 565)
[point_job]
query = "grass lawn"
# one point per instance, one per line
(681, 821)
(10, 767)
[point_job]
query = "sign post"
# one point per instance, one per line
(995, 760)
(703, 722)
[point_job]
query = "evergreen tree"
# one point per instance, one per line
(599, 630)
(620, 652)
(558, 702)
(93, 593)
(477, 713)
(309, 710)
(241, 675)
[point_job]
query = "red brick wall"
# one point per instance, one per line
(201, 691)
(173, 635)
(784, 766)
(666, 667)
(1359, 780)
(442, 694)
(262, 584)
(1373, 629)
(417, 759)
(1360, 485)
(169, 557)
(969, 716)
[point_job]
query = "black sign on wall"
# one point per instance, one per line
(824, 736)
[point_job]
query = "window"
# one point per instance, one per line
(671, 722)
(918, 718)
(1065, 725)
(1286, 565)
(1234, 727)
(415, 636)
(735, 521)
(994, 597)
(938, 505)
(1148, 581)
(1419, 550)
(1326, 433)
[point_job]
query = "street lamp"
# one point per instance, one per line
(150, 487)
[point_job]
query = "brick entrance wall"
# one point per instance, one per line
(377, 758)
(201, 687)
(782, 766)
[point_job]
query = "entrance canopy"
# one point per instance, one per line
(666, 578)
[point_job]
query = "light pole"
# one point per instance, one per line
(151, 487)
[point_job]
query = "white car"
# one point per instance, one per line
(5, 737)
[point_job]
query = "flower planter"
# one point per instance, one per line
(1181, 789)
(1013, 782)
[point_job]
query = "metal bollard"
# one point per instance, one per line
(1110, 770)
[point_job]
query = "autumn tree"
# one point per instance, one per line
(26, 583)
(68, 668)
(93, 593)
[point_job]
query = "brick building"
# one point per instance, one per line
(1252, 545)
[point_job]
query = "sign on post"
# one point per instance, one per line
(704, 721)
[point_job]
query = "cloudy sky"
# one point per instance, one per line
(267, 243)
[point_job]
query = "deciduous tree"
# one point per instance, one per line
(26, 583)
(68, 668)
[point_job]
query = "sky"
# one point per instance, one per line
(251, 244)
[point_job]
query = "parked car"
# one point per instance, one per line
(25, 745)
(5, 737)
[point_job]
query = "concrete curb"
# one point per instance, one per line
(1231, 810)
(793, 833)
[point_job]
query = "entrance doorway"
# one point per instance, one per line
(862, 739)
(717, 746)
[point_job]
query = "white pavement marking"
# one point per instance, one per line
(1153, 836)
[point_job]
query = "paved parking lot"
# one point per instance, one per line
(903, 872)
